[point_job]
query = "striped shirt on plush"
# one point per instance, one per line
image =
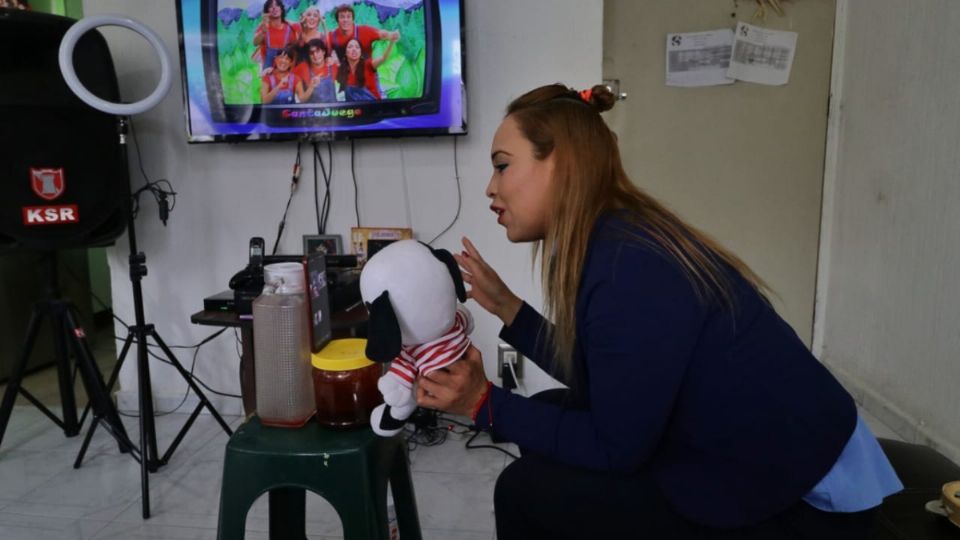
(433, 355)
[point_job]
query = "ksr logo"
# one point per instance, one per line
(47, 183)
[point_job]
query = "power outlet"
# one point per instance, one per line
(507, 355)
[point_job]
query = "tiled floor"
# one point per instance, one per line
(43, 497)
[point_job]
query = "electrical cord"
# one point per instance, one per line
(435, 435)
(196, 351)
(456, 172)
(238, 344)
(202, 342)
(516, 379)
(323, 211)
(182, 400)
(430, 436)
(492, 447)
(166, 197)
(294, 180)
(353, 172)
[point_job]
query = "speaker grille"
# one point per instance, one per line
(45, 129)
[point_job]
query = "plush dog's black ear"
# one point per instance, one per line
(383, 330)
(446, 258)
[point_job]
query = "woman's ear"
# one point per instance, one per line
(446, 258)
(383, 330)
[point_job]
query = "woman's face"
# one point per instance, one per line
(316, 55)
(520, 186)
(353, 50)
(311, 19)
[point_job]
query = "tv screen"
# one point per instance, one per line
(321, 69)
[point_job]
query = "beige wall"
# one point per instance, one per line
(743, 162)
(892, 259)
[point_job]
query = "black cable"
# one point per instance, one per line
(487, 446)
(316, 191)
(202, 342)
(353, 172)
(456, 172)
(196, 348)
(160, 194)
(323, 215)
(329, 180)
(293, 188)
(182, 401)
(457, 422)
(238, 344)
(436, 435)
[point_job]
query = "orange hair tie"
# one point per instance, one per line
(586, 95)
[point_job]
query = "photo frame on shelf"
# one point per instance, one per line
(328, 244)
(366, 241)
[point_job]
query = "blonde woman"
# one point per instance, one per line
(312, 26)
(692, 410)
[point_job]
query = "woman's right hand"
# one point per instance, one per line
(486, 287)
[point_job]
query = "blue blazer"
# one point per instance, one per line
(727, 409)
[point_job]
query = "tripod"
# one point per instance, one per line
(139, 332)
(67, 332)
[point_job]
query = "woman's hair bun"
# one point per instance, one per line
(601, 98)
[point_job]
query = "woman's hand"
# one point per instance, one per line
(455, 389)
(486, 287)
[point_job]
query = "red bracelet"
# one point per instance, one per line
(485, 398)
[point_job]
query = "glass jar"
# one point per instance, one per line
(345, 384)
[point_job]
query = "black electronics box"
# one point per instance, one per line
(223, 301)
(344, 288)
(319, 300)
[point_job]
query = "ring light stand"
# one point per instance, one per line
(149, 462)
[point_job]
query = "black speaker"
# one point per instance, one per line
(62, 180)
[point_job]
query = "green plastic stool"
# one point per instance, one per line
(349, 469)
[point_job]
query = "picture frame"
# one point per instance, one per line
(366, 241)
(328, 244)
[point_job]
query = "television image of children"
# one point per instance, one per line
(279, 83)
(316, 76)
(357, 76)
(274, 34)
(15, 4)
(302, 62)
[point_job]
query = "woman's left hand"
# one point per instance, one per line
(455, 389)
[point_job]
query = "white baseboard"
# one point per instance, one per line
(903, 424)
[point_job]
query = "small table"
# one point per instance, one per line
(350, 322)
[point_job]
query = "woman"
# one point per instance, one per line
(693, 410)
(274, 33)
(278, 85)
(312, 26)
(357, 75)
(316, 76)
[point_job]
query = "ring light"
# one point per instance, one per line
(70, 75)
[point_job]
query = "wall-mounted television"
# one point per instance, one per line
(321, 70)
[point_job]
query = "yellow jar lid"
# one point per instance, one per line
(342, 355)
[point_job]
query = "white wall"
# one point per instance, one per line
(228, 193)
(892, 297)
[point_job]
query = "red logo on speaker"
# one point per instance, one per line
(47, 183)
(50, 215)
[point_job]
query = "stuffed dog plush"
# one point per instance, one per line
(416, 322)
